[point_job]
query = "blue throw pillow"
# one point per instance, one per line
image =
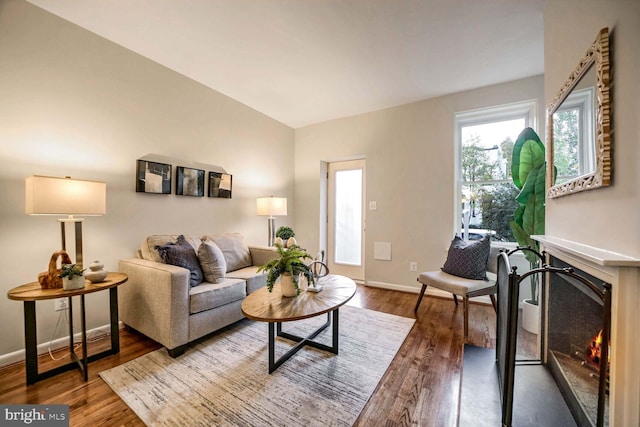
(468, 259)
(182, 254)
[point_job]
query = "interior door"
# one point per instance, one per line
(346, 218)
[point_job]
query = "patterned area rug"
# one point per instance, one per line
(224, 380)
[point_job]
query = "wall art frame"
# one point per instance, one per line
(189, 181)
(220, 185)
(153, 177)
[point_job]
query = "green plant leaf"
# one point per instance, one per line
(529, 217)
(518, 214)
(289, 260)
(528, 188)
(521, 236)
(528, 154)
(285, 232)
(539, 207)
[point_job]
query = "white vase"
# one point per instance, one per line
(70, 284)
(96, 273)
(278, 241)
(530, 317)
(291, 241)
(287, 286)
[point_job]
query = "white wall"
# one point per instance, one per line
(72, 103)
(607, 217)
(409, 153)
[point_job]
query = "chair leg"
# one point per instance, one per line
(493, 302)
(466, 317)
(424, 288)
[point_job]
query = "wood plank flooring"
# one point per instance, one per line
(420, 388)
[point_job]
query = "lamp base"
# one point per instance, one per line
(272, 230)
(78, 236)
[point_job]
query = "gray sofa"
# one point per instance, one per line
(159, 301)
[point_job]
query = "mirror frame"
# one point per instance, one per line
(598, 56)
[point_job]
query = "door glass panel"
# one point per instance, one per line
(348, 213)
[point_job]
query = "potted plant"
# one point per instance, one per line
(288, 266)
(72, 277)
(528, 171)
(286, 236)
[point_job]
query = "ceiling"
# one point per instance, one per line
(307, 61)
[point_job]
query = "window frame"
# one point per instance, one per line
(582, 100)
(523, 109)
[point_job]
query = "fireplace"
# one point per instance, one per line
(576, 319)
(623, 273)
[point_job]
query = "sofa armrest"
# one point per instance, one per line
(155, 300)
(261, 254)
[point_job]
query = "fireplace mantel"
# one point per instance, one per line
(623, 273)
(588, 253)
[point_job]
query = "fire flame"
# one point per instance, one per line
(594, 349)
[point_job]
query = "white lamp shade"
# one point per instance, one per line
(271, 206)
(45, 195)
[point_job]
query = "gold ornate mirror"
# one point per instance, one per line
(578, 126)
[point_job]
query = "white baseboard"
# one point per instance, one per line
(416, 290)
(19, 356)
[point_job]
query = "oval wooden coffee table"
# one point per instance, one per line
(272, 307)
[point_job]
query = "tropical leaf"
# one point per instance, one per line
(521, 236)
(528, 154)
(525, 239)
(518, 214)
(528, 188)
(529, 217)
(539, 207)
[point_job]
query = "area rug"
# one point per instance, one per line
(224, 380)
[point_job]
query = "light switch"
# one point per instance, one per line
(373, 206)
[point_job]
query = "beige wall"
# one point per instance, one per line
(72, 103)
(409, 153)
(607, 218)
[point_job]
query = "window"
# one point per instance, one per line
(574, 130)
(486, 194)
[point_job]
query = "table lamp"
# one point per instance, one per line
(271, 207)
(45, 195)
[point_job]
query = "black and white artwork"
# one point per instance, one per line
(152, 177)
(189, 182)
(219, 185)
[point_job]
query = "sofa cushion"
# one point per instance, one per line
(181, 254)
(212, 295)
(468, 259)
(235, 250)
(212, 262)
(148, 247)
(254, 279)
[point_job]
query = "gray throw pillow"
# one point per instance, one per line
(181, 254)
(468, 259)
(212, 262)
(235, 250)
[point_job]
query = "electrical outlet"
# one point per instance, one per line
(62, 304)
(413, 266)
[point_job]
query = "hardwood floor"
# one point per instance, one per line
(420, 388)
